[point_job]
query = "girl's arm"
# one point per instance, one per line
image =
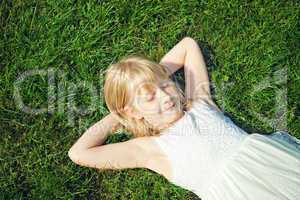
(187, 54)
(89, 150)
(96, 134)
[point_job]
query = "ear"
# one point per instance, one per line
(130, 112)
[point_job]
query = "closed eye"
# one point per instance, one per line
(165, 85)
(151, 97)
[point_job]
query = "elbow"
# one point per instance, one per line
(73, 155)
(190, 41)
(80, 157)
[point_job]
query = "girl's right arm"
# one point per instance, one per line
(188, 54)
(89, 150)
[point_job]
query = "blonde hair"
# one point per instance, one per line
(121, 81)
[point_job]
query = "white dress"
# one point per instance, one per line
(217, 160)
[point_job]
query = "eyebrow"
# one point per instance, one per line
(146, 89)
(149, 88)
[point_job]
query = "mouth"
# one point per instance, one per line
(171, 105)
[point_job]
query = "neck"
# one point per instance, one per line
(163, 127)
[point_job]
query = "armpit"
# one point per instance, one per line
(208, 101)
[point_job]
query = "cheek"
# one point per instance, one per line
(151, 108)
(147, 108)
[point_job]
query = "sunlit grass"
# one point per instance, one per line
(244, 44)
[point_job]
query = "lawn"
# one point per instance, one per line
(52, 60)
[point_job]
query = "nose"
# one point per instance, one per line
(166, 99)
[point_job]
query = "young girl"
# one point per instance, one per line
(186, 138)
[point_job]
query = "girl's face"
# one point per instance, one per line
(159, 103)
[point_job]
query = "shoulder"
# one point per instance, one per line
(149, 149)
(147, 145)
(157, 160)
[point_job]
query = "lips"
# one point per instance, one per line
(171, 105)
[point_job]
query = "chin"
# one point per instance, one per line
(174, 114)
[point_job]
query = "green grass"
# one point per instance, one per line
(244, 44)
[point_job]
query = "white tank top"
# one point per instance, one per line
(198, 144)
